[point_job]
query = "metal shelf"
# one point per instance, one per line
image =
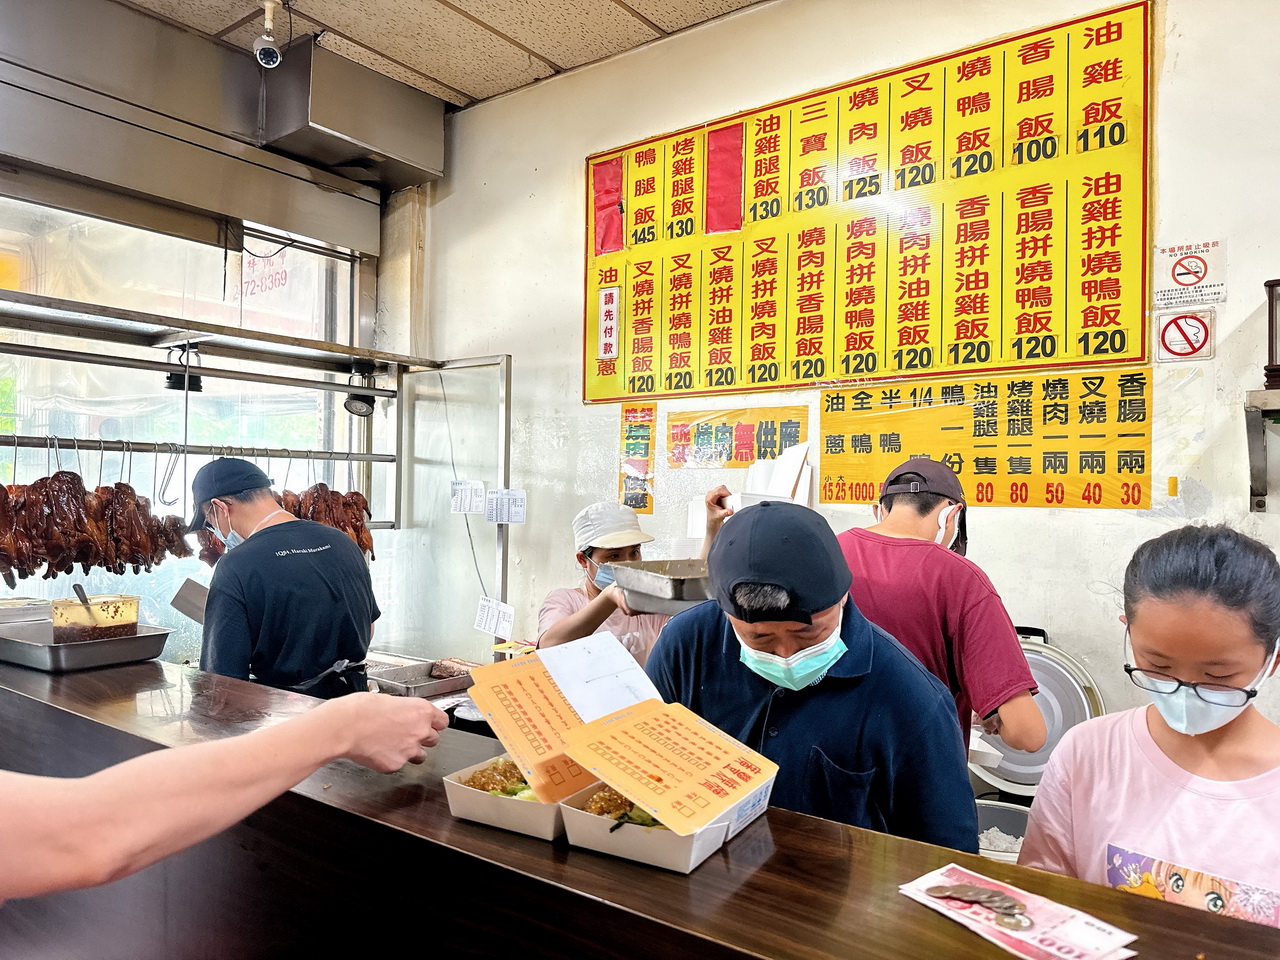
(72, 318)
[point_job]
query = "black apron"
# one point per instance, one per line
(338, 680)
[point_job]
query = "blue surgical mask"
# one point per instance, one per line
(230, 539)
(604, 575)
(799, 670)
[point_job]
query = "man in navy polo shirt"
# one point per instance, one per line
(782, 660)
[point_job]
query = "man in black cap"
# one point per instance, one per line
(912, 579)
(291, 603)
(862, 733)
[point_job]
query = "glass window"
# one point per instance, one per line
(277, 284)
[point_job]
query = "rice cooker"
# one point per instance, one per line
(1067, 696)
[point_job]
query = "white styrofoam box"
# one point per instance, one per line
(653, 845)
(981, 752)
(530, 817)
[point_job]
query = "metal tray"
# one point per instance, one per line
(31, 645)
(665, 587)
(664, 579)
(413, 680)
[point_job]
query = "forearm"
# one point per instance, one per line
(1021, 723)
(64, 833)
(581, 624)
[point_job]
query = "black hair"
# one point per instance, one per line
(761, 598)
(1214, 562)
(924, 503)
(245, 496)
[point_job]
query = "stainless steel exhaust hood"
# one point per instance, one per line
(324, 109)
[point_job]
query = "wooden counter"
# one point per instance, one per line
(374, 864)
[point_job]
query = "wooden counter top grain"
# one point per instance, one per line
(355, 860)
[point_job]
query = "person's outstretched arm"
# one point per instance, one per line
(61, 834)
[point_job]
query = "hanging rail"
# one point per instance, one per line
(129, 446)
(108, 360)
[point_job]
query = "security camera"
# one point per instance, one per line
(267, 52)
(265, 49)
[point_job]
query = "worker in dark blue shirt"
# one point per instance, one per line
(783, 661)
(291, 602)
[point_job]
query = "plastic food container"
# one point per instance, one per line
(1009, 818)
(108, 615)
(23, 609)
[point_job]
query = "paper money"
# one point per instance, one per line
(1055, 931)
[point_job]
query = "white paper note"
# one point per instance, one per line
(466, 496)
(598, 675)
(495, 617)
(504, 506)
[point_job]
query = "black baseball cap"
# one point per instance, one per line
(922, 475)
(785, 545)
(224, 477)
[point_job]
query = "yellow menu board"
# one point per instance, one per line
(1039, 438)
(733, 438)
(671, 762)
(983, 211)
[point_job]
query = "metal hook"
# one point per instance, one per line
(75, 443)
(48, 454)
(288, 465)
(15, 458)
(102, 456)
(171, 468)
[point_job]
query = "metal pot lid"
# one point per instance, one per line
(1067, 696)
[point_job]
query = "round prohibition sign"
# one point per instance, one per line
(1189, 270)
(1185, 335)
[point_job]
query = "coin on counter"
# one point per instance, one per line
(1015, 921)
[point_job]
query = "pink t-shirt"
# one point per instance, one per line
(638, 634)
(1111, 808)
(943, 609)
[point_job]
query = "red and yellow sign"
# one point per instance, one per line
(1039, 439)
(983, 211)
(639, 433)
(733, 438)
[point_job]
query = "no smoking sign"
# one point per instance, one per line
(1184, 335)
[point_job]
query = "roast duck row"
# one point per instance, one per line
(343, 511)
(56, 523)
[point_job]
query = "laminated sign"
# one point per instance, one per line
(982, 211)
(1039, 439)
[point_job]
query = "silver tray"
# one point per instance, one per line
(413, 680)
(664, 579)
(31, 645)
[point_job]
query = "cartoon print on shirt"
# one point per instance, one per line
(1147, 876)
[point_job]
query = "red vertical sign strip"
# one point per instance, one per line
(606, 192)
(724, 179)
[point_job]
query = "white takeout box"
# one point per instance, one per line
(530, 817)
(652, 845)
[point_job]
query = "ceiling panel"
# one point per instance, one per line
(458, 50)
(367, 58)
(207, 16)
(567, 32)
(433, 39)
(674, 15)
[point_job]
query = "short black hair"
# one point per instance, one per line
(924, 503)
(244, 496)
(1214, 562)
(761, 598)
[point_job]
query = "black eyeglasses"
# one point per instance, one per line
(1218, 694)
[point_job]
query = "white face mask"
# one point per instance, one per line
(1186, 713)
(943, 517)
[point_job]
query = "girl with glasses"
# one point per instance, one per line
(1144, 799)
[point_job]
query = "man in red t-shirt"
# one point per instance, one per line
(910, 578)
